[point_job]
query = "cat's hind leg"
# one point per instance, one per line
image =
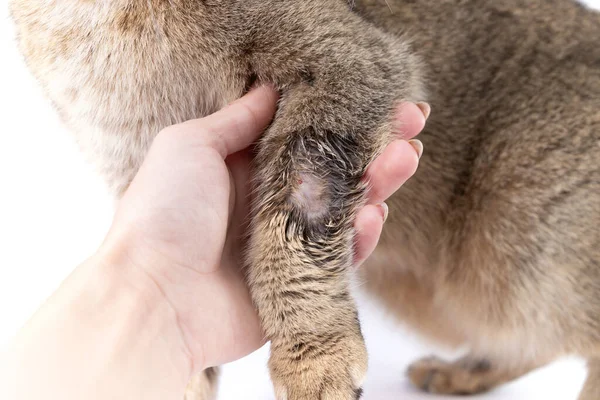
(467, 375)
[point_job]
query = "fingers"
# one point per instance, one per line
(390, 170)
(400, 159)
(387, 173)
(368, 225)
(234, 127)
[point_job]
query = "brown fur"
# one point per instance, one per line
(494, 243)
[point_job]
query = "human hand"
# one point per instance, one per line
(182, 220)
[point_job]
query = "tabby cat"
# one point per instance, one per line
(494, 244)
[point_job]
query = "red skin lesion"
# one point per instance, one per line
(310, 195)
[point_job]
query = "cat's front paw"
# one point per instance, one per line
(329, 367)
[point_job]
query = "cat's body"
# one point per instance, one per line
(494, 244)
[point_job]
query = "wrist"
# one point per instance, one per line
(212, 306)
(158, 277)
(148, 323)
(105, 333)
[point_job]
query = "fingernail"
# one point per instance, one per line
(417, 145)
(425, 109)
(384, 210)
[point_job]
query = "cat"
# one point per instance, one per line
(494, 244)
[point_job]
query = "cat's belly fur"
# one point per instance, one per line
(143, 88)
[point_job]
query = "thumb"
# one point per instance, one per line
(237, 125)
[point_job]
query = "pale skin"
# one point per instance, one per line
(164, 296)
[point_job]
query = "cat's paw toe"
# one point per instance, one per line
(434, 375)
(329, 371)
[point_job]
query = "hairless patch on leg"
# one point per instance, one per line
(310, 195)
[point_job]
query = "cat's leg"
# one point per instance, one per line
(299, 259)
(408, 292)
(523, 292)
(591, 388)
(203, 386)
(468, 375)
(173, 61)
(341, 79)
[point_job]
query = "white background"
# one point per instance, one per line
(54, 212)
